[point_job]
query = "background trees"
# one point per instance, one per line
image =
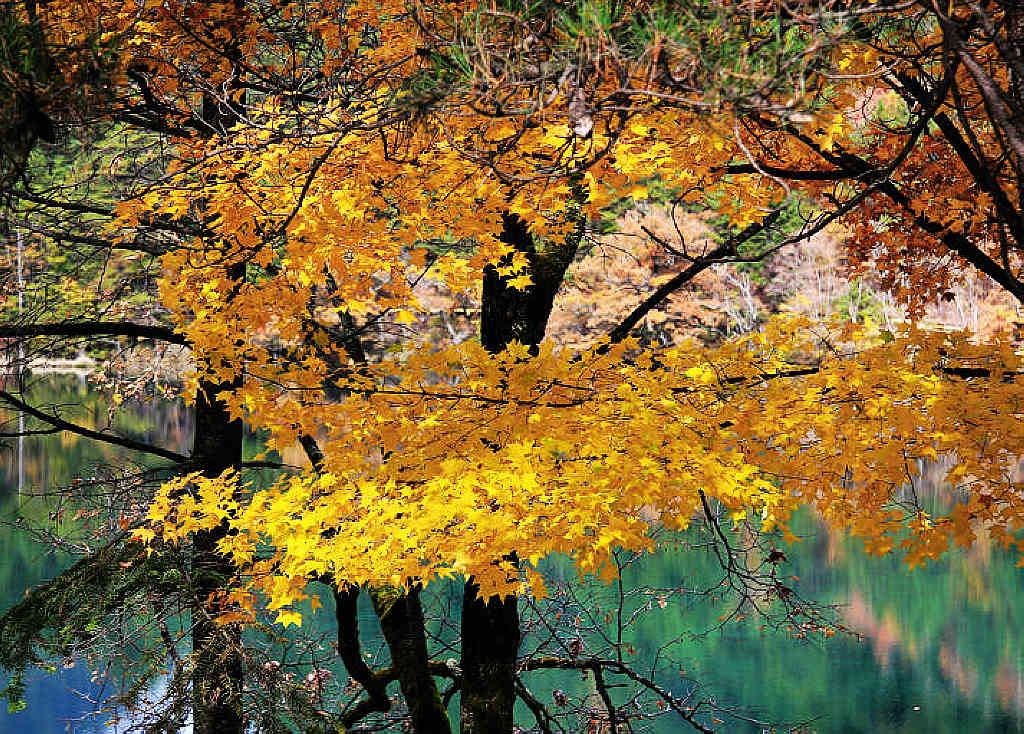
(318, 172)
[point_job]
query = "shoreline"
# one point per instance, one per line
(51, 367)
(168, 365)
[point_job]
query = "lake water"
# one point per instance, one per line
(940, 649)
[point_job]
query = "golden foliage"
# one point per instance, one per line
(445, 459)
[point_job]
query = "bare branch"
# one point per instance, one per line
(93, 328)
(63, 425)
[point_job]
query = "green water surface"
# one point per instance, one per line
(939, 651)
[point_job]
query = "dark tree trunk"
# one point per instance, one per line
(346, 612)
(507, 314)
(401, 619)
(218, 678)
(490, 628)
(401, 615)
(490, 645)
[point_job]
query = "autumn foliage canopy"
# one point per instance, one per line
(331, 167)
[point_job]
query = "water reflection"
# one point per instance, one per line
(30, 469)
(52, 461)
(939, 650)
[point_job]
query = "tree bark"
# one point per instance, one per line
(490, 628)
(218, 675)
(490, 646)
(400, 614)
(346, 613)
(401, 619)
(507, 314)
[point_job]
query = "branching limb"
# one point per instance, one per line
(698, 266)
(62, 425)
(544, 719)
(93, 328)
(614, 666)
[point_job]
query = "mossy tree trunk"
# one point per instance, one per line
(401, 619)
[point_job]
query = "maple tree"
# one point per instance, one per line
(329, 162)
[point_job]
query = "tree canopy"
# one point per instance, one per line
(320, 171)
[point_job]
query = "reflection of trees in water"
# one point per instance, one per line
(957, 618)
(1010, 688)
(930, 488)
(882, 632)
(54, 460)
(961, 673)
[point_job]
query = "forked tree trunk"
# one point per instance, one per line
(400, 614)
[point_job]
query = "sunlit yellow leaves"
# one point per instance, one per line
(699, 373)
(520, 282)
(285, 618)
(581, 454)
(311, 224)
(405, 316)
(143, 535)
